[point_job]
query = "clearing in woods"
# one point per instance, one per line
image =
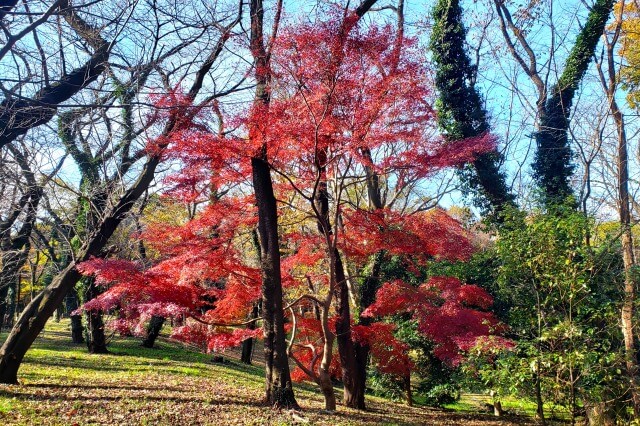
(61, 384)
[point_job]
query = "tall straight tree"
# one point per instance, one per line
(459, 105)
(278, 387)
(552, 165)
(354, 383)
(609, 79)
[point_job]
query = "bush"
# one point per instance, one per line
(440, 395)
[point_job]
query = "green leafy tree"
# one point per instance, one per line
(563, 295)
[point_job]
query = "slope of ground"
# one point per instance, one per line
(61, 384)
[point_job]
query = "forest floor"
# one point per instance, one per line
(61, 384)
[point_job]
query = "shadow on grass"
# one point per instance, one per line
(97, 398)
(63, 386)
(77, 363)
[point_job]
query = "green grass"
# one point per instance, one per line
(61, 384)
(520, 407)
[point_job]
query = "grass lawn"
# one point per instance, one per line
(470, 402)
(61, 384)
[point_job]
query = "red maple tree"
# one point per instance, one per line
(346, 103)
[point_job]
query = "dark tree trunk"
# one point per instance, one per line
(4, 291)
(247, 351)
(461, 113)
(77, 329)
(354, 383)
(96, 339)
(153, 331)
(279, 390)
(552, 163)
(278, 387)
(353, 392)
(11, 307)
(31, 322)
(12, 262)
(72, 303)
(367, 297)
(247, 345)
(539, 402)
(407, 388)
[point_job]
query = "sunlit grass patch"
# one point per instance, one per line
(62, 384)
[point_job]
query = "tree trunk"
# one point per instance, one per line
(407, 388)
(609, 80)
(3, 304)
(367, 297)
(72, 303)
(96, 340)
(497, 405)
(279, 390)
(31, 322)
(278, 387)
(629, 261)
(153, 331)
(326, 387)
(460, 111)
(247, 351)
(353, 386)
(11, 304)
(248, 344)
(13, 259)
(539, 402)
(77, 329)
(552, 163)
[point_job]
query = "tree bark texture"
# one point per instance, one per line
(248, 344)
(72, 303)
(95, 336)
(552, 164)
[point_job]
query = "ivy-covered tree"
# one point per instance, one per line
(461, 114)
(552, 165)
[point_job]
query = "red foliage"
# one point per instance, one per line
(448, 312)
(425, 235)
(222, 340)
(363, 99)
(309, 348)
(202, 271)
(389, 354)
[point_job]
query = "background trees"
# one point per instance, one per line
(127, 188)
